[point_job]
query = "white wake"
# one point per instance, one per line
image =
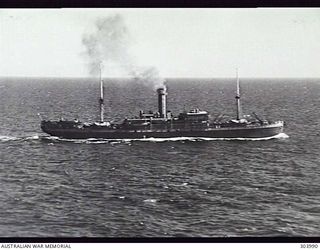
(5, 138)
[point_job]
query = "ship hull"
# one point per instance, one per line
(108, 133)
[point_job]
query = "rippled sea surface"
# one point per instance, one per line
(158, 188)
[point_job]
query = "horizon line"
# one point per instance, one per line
(173, 77)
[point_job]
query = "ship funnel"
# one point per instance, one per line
(162, 105)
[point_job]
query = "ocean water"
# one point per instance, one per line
(158, 188)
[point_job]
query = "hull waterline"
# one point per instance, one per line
(105, 133)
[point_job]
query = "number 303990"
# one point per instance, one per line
(308, 245)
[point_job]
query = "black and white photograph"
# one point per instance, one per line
(160, 123)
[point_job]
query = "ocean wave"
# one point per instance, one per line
(33, 137)
(4, 138)
(150, 200)
(7, 138)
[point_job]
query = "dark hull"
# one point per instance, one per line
(107, 133)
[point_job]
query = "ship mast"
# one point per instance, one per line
(239, 113)
(101, 99)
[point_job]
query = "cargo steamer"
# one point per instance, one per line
(163, 124)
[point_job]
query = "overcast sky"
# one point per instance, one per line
(178, 42)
